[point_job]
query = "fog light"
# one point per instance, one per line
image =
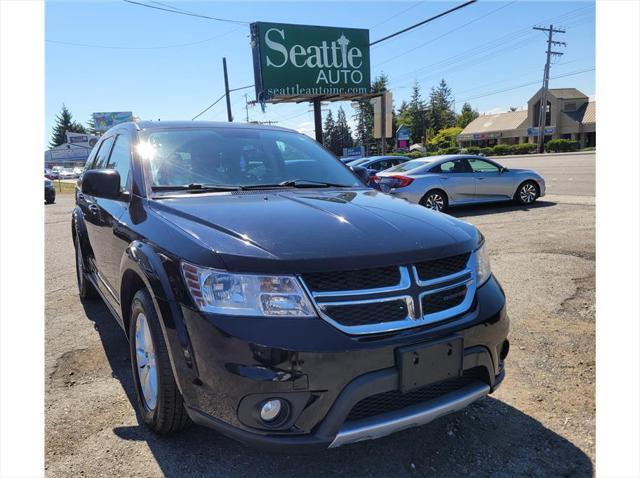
(504, 351)
(270, 410)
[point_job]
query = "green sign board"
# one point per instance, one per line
(293, 61)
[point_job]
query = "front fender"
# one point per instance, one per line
(79, 230)
(149, 265)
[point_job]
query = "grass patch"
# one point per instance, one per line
(64, 188)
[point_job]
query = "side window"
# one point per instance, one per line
(457, 166)
(378, 165)
(103, 154)
(120, 160)
(481, 166)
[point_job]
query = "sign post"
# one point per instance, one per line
(382, 117)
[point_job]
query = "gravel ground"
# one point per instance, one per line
(541, 422)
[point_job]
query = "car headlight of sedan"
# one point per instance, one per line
(223, 292)
(483, 266)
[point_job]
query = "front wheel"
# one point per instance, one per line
(527, 193)
(159, 401)
(436, 200)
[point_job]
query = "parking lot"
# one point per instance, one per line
(541, 422)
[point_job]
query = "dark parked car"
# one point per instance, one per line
(49, 191)
(375, 164)
(268, 294)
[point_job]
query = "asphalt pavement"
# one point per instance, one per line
(541, 422)
(564, 174)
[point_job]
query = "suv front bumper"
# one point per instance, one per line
(235, 363)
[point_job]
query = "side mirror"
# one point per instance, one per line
(101, 183)
(362, 173)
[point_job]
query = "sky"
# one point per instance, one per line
(119, 56)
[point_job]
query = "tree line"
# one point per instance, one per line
(432, 121)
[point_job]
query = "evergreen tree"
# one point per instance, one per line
(466, 116)
(414, 115)
(328, 131)
(364, 115)
(64, 123)
(440, 108)
(342, 134)
(91, 126)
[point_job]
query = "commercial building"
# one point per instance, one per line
(569, 115)
(71, 154)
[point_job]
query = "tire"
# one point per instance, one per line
(85, 287)
(527, 193)
(161, 406)
(436, 200)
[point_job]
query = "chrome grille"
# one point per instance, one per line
(356, 280)
(429, 270)
(373, 303)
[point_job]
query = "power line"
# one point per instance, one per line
(396, 15)
(406, 52)
(435, 17)
(219, 99)
(522, 85)
(487, 50)
(209, 107)
(159, 47)
(185, 12)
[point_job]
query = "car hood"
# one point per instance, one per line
(314, 230)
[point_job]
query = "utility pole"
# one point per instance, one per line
(317, 119)
(226, 89)
(545, 82)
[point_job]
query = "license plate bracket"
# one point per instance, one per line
(424, 364)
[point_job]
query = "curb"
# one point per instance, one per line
(541, 155)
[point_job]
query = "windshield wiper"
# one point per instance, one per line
(296, 183)
(195, 188)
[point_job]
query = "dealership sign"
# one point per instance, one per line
(300, 60)
(104, 121)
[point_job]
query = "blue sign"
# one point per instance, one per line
(355, 152)
(534, 131)
(402, 133)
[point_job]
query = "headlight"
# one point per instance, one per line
(483, 266)
(222, 292)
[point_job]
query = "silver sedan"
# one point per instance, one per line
(438, 182)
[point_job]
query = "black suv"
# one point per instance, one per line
(268, 294)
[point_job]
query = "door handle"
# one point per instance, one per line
(444, 177)
(481, 179)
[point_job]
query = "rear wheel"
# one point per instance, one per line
(436, 200)
(159, 401)
(527, 193)
(85, 287)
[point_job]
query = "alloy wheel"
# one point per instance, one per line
(146, 362)
(434, 201)
(528, 193)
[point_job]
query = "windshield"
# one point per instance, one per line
(236, 158)
(408, 166)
